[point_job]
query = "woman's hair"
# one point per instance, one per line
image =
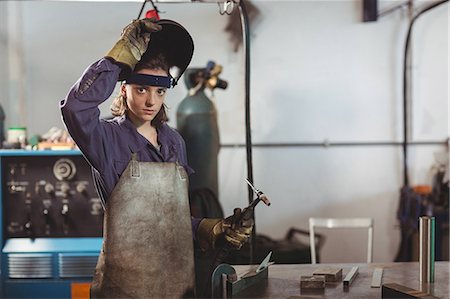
(119, 104)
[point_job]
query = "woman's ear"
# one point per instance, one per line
(123, 90)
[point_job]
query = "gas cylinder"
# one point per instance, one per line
(197, 124)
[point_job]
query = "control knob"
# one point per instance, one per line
(64, 169)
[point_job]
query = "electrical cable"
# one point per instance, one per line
(405, 89)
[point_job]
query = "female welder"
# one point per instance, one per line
(142, 59)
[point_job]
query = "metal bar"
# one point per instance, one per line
(330, 144)
(350, 276)
(370, 245)
(377, 277)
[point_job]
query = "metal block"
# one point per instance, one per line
(312, 282)
(331, 274)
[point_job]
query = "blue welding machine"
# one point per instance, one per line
(51, 219)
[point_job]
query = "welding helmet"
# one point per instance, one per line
(176, 44)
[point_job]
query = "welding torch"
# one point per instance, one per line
(239, 217)
(260, 195)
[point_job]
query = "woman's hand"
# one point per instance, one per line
(212, 232)
(133, 43)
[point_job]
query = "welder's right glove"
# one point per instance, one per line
(213, 233)
(133, 43)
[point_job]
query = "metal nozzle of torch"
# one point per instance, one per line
(246, 214)
(259, 193)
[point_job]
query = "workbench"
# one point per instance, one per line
(284, 281)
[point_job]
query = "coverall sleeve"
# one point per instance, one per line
(195, 222)
(80, 112)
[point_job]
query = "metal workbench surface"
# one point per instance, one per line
(284, 281)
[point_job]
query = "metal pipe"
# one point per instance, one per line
(332, 144)
(426, 248)
(185, 1)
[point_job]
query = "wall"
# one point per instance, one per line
(318, 74)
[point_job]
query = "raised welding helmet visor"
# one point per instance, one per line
(175, 42)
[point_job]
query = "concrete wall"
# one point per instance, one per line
(318, 73)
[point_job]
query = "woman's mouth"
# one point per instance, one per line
(149, 111)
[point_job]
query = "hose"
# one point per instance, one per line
(406, 86)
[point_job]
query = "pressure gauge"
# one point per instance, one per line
(64, 169)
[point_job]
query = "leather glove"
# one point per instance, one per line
(213, 232)
(133, 43)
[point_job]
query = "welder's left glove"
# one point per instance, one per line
(213, 233)
(133, 43)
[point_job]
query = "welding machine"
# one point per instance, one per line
(51, 221)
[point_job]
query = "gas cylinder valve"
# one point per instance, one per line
(212, 73)
(207, 77)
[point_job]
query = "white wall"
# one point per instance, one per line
(317, 73)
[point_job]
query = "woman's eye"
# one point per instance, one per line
(142, 90)
(161, 91)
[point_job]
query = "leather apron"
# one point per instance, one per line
(147, 239)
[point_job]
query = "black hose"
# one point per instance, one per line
(248, 134)
(142, 9)
(405, 90)
(404, 253)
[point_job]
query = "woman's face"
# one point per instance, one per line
(144, 101)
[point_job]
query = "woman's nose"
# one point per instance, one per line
(150, 100)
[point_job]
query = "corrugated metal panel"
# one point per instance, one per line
(29, 265)
(76, 265)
